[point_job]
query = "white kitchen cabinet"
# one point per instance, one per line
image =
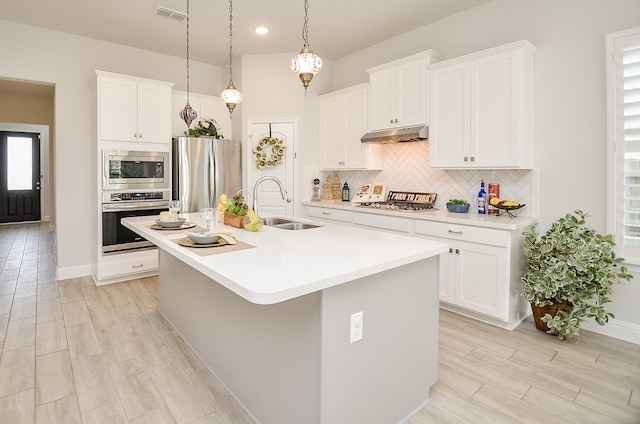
(336, 216)
(480, 275)
(342, 122)
(122, 267)
(398, 92)
(481, 109)
(133, 109)
(206, 107)
(391, 224)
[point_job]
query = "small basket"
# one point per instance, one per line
(458, 208)
(234, 221)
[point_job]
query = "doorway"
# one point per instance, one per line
(270, 200)
(20, 177)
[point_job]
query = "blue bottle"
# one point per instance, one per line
(482, 199)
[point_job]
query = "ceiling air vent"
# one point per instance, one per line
(170, 13)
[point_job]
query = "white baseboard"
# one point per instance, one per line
(73, 272)
(617, 329)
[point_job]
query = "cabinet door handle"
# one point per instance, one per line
(455, 232)
(391, 121)
(326, 213)
(137, 266)
(450, 250)
(396, 120)
(457, 251)
(473, 158)
(466, 159)
(341, 162)
(135, 135)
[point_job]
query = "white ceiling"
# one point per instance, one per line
(336, 27)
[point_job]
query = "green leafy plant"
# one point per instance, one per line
(458, 202)
(573, 266)
(205, 126)
(236, 207)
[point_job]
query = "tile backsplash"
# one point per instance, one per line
(406, 168)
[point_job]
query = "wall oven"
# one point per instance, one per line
(135, 170)
(116, 238)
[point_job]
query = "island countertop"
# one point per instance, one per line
(286, 264)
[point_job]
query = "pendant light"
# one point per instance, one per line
(188, 114)
(306, 63)
(230, 95)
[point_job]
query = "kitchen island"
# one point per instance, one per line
(273, 321)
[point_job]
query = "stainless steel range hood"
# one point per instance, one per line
(397, 135)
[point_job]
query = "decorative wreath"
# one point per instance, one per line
(266, 159)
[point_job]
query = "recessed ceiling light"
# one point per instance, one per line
(261, 30)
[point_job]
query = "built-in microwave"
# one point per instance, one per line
(125, 169)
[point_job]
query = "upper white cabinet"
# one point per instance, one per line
(210, 107)
(398, 92)
(481, 109)
(133, 109)
(342, 123)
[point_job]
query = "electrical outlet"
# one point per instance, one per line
(356, 327)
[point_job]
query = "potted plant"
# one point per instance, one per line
(206, 127)
(570, 273)
(457, 205)
(234, 210)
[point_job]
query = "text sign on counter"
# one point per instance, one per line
(405, 196)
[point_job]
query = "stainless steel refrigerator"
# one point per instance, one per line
(204, 168)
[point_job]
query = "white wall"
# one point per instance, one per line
(69, 61)
(271, 91)
(569, 105)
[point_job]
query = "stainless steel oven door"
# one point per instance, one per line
(116, 238)
(125, 169)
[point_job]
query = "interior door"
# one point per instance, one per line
(19, 177)
(270, 200)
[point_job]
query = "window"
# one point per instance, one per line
(623, 132)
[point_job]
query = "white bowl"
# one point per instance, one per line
(198, 237)
(171, 224)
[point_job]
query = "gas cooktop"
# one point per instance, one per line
(404, 201)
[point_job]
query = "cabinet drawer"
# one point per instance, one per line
(383, 222)
(462, 232)
(128, 265)
(327, 213)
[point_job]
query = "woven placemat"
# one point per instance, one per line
(222, 248)
(190, 226)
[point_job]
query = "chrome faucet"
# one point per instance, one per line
(283, 191)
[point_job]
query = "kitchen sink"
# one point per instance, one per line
(287, 224)
(276, 221)
(296, 226)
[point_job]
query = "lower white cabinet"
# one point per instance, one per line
(336, 216)
(480, 274)
(120, 267)
(392, 224)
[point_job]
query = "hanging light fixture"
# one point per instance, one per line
(188, 114)
(306, 63)
(230, 95)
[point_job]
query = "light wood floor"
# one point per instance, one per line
(72, 352)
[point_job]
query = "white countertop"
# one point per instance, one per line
(503, 222)
(286, 264)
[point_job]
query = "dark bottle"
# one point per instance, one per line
(345, 192)
(482, 199)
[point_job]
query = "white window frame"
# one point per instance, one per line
(615, 43)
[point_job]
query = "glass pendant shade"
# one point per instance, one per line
(306, 64)
(231, 96)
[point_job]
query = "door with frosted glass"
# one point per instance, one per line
(19, 177)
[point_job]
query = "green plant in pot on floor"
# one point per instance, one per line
(570, 274)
